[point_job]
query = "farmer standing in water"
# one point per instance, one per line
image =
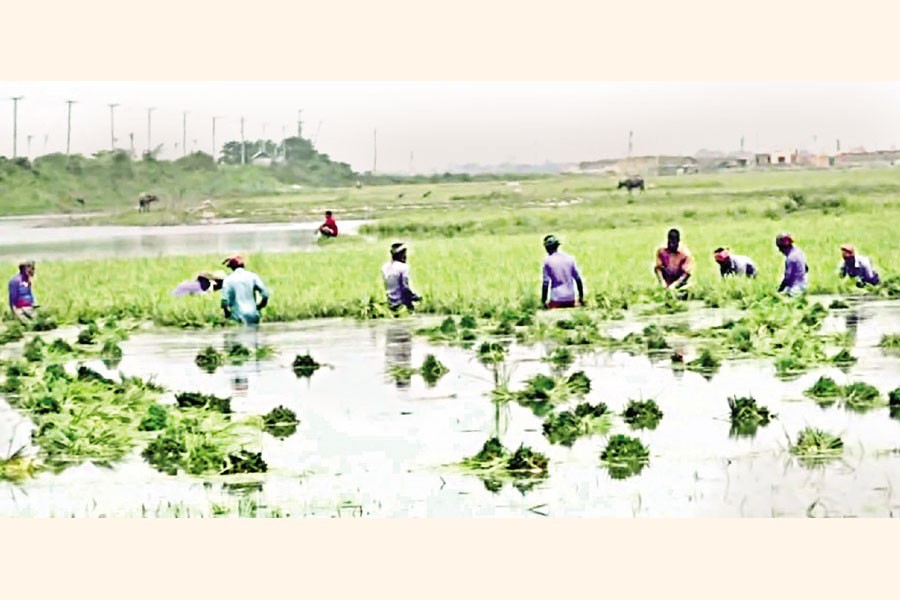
(239, 293)
(795, 267)
(674, 263)
(560, 277)
(396, 280)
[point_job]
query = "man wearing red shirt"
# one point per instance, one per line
(329, 228)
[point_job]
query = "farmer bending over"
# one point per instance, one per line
(239, 293)
(560, 273)
(329, 228)
(674, 263)
(396, 280)
(21, 295)
(858, 267)
(203, 283)
(795, 267)
(734, 264)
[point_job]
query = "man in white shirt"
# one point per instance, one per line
(396, 279)
(734, 264)
(239, 293)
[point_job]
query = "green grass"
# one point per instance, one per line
(747, 416)
(567, 426)
(624, 456)
(815, 446)
(642, 414)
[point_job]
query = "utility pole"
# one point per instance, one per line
(149, 145)
(68, 125)
(374, 149)
(299, 123)
(283, 143)
(742, 144)
(112, 127)
(131, 143)
(316, 136)
(838, 146)
(214, 138)
(184, 133)
(410, 162)
(243, 144)
(630, 137)
(29, 145)
(15, 121)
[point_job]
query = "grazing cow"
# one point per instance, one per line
(426, 194)
(80, 201)
(144, 202)
(631, 183)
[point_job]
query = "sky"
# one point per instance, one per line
(433, 126)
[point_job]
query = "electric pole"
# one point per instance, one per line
(184, 133)
(15, 121)
(316, 136)
(630, 145)
(69, 125)
(131, 143)
(374, 149)
(112, 127)
(283, 143)
(149, 145)
(299, 123)
(410, 162)
(243, 144)
(29, 145)
(742, 144)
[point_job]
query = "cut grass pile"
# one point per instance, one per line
(624, 456)
(857, 396)
(747, 416)
(305, 365)
(815, 446)
(642, 414)
(542, 392)
(567, 426)
(280, 422)
(495, 464)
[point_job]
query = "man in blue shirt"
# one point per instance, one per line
(795, 267)
(239, 292)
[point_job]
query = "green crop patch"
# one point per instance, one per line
(624, 456)
(746, 416)
(642, 414)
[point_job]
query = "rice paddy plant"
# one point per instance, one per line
(587, 419)
(543, 392)
(281, 422)
(708, 362)
(747, 416)
(861, 397)
(209, 359)
(17, 466)
(491, 353)
(642, 414)
(815, 446)
(305, 365)
(432, 369)
(88, 335)
(155, 420)
(203, 401)
(824, 389)
(495, 464)
(894, 403)
(34, 350)
(561, 358)
(624, 456)
(244, 461)
(237, 353)
(838, 304)
(13, 332)
(890, 341)
(843, 358)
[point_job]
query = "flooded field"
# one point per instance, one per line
(39, 239)
(368, 445)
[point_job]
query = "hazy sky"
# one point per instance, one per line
(451, 123)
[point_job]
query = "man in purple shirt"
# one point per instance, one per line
(21, 295)
(560, 276)
(858, 267)
(795, 267)
(202, 284)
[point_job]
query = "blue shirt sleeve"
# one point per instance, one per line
(13, 292)
(258, 285)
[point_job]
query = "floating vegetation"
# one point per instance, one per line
(824, 388)
(155, 419)
(894, 403)
(60, 346)
(204, 401)
(209, 359)
(244, 461)
(707, 362)
(815, 446)
(12, 333)
(746, 416)
(432, 369)
(642, 414)
(263, 352)
(280, 422)
(88, 335)
(491, 353)
(17, 466)
(843, 358)
(111, 353)
(304, 365)
(401, 373)
(860, 396)
(586, 419)
(468, 322)
(890, 341)
(561, 358)
(42, 322)
(494, 464)
(34, 350)
(543, 392)
(624, 456)
(237, 353)
(837, 303)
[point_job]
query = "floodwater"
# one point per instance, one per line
(38, 238)
(367, 446)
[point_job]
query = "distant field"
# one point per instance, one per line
(476, 246)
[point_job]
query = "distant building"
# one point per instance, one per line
(877, 158)
(261, 158)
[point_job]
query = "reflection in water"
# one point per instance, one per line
(853, 320)
(239, 373)
(398, 351)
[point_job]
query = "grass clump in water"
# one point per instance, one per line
(747, 416)
(824, 388)
(561, 358)
(586, 419)
(155, 419)
(209, 359)
(491, 353)
(894, 403)
(17, 466)
(34, 350)
(281, 422)
(837, 303)
(12, 333)
(244, 461)
(843, 358)
(88, 335)
(815, 446)
(860, 396)
(432, 369)
(642, 414)
(237, 353)
(204, 401)
(890, 341)
(707, 362)
(494, 464)
(304, 365)
(624, 456)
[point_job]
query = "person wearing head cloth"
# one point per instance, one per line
(734, 264)
(560, 277)
(858, 267)
(22, 301)
(795, 267)
(397, 281)
(240, 290)
(674, 263)
(203, 283)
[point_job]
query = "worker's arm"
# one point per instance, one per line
(658, 269)
(545, 285)
(579, 284)
(406, 284)
(263, 293)
(687, 269)
(227, 297)
(13, 296)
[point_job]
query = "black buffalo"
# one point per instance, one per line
(631, 183)
(145, 201)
